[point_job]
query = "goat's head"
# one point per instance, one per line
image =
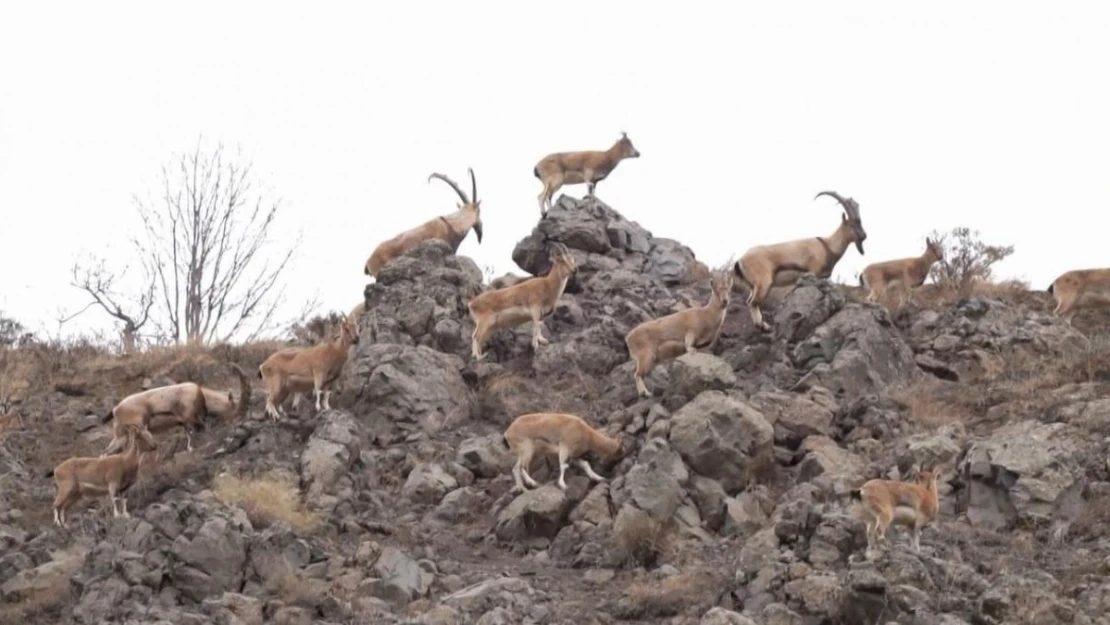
(349, 331)
(927, 477)
(935, 248)
(627, 150)
(721, 283)
(561, 256)
(469, 204)
(850, 218)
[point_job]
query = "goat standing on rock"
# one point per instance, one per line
(683, 332)
(781, 264)
(301, 369)
(451, 228)
(107, 475)
(910, 272)
(884, 502)
(567, 435)
(532, 299)
(589, 167)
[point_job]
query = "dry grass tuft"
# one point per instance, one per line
(45, 605)
(640, 540)
(266, 500)
(670, 596)
(926, 406)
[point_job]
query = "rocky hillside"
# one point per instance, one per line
(733, 508)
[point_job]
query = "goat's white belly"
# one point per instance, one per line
(514, 316)
(96, 489)
(904, 515)
(573, 177)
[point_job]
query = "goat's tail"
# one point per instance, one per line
(857, 493)
(108, 417)
(536, 172)
(1051, 288)
(49, 474)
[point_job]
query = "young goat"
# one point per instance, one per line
(590, 167)
(301, 369)
(186, 402)
(910, 272)
(679, 333)
(904, 503)
(111, 475)
(566, 435)
(781, 264)
(1090, 285)
(451, 228)
(533, 299)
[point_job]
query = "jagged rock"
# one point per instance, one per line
(537, 512)
(327, 459)
(824, 460)
(720, 616)
(655, 483)
(1023, 470)
(719, 435)
(485, 456)
(400, 578)
(427, 483)
(794, 418)
(420, 299)
(604, 242)
(211, 561)
(489, 594)
(408, 387)
(690, 374)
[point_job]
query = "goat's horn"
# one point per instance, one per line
(832, 194)
(453, 185)
(473, 186)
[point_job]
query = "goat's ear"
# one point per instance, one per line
(230, 397)
(843, 217)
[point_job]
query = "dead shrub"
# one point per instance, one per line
(266, 500)
(968, 261)
(640, 540)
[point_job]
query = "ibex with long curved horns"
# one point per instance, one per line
(451, 228)
(781, 264)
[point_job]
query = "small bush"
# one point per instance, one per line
(266, 500)
(967, 259)
(317, 329)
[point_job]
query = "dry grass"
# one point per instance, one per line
(690, 591)
(45, 605)
(641, 541)
(266, 500)
(932, 296)
(926, 406)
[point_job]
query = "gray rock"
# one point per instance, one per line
(719, 435)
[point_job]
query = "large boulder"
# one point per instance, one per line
(721, 436)
(420, 298)
(606, 246)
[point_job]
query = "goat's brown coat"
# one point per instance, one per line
(564, 435)
(589, 167)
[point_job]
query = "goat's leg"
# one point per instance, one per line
(915, 540)
(123, 501)
(537, 330)
(588, 178)
(564, 454)
(689, 340)
(327, 395)
(112, 498)
(297, 397)
(585, 466)
(526, 451)
(644, 365)
(480, 336)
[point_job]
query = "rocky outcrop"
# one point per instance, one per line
(731, 506)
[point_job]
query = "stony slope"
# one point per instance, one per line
(733, 507)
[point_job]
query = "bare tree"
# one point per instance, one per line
(204, 245)
(100, 283)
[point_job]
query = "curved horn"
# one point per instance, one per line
(832, 194)
(244, 391)
(453, 185)
(473, 185)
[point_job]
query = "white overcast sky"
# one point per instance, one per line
(992, 115)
